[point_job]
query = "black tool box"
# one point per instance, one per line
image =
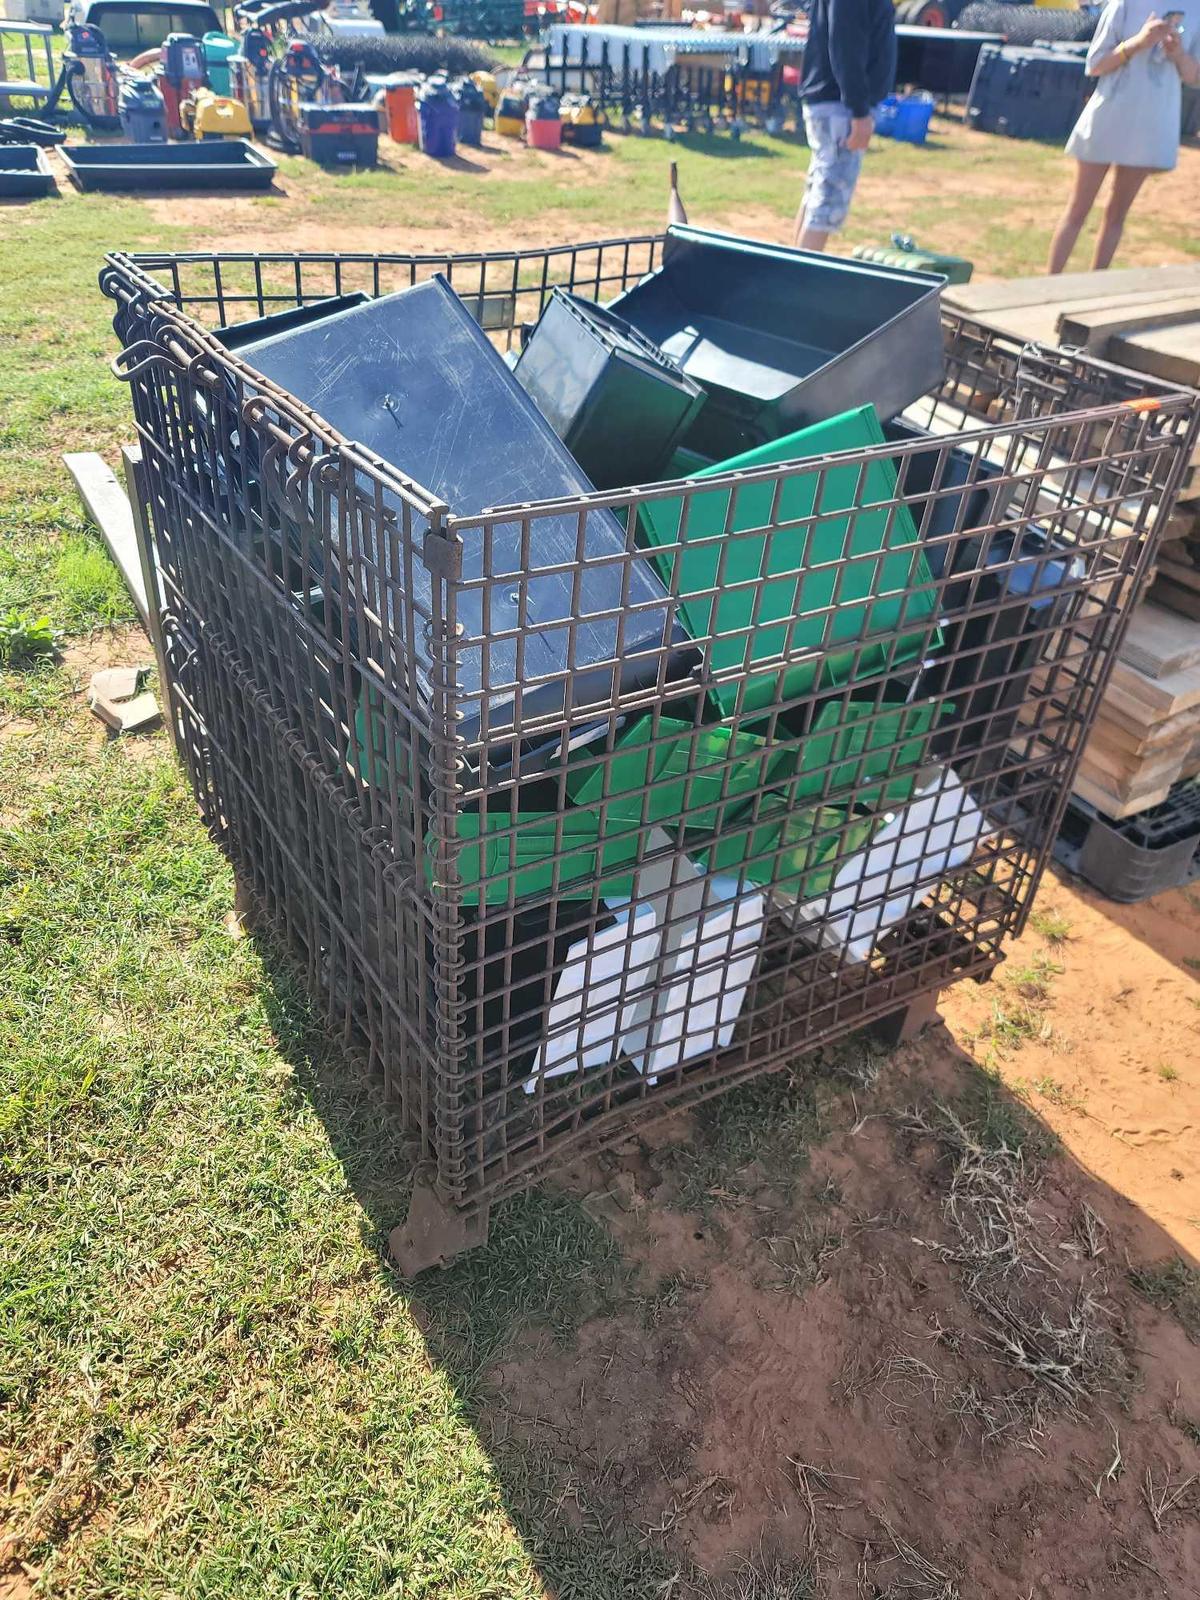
(340, 136)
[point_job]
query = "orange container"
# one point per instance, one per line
(543, 133)
(400, 100)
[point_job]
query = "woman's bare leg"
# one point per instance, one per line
(1089, 175)
(1125, 185)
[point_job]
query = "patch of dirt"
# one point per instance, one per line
(1118, 1075)
(864, 1379)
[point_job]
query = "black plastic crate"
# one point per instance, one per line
(782, 338)
(24, 172)
(227, 164)
(617, 403)
(1140, 856)
(1027, 93)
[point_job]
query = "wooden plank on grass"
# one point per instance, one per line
(1093, 327)
(1007, 293)
(108, 506)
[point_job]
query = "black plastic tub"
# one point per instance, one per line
(232, 164)
(1142, 855)
(24, 172)
(783, 338)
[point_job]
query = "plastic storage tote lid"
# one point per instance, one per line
(436, 89)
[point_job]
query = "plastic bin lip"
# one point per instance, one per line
(723, 240)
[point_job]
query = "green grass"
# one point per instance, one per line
(1051, 924)
(1173, 1286)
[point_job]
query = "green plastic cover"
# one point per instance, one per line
(760, 622)
(865, 745)
(500, 851)
(686, 769)
(794, 853)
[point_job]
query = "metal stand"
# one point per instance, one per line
(433, 1233)
(898, 1027)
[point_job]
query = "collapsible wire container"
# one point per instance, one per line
(596, 906)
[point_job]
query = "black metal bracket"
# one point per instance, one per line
(898, 1027)
(433, 1233)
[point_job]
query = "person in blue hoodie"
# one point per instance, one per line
(849, 67)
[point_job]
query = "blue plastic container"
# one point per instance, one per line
(437, 114)
(472, 108)
(905, 117)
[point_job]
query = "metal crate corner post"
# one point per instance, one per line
(439, 1225)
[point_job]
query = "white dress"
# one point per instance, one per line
(1132, 119)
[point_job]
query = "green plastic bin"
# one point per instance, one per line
(906, 254)
(872, 596)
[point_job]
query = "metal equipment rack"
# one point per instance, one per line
(697, 80)
(525, 988)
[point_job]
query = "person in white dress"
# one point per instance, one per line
(1131, 123)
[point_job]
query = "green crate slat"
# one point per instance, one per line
(872, 595)
(498, 851)
(791, 852)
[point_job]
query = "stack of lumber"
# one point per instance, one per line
(1147, 318)
(1146, 736)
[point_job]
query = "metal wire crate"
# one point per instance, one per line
(598, 905)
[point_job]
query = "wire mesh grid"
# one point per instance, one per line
(565, 866)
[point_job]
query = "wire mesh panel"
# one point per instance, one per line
(580, 810)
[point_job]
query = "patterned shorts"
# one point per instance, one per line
(832, 169)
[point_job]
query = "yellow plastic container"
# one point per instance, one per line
(205, 115)
(486, 83)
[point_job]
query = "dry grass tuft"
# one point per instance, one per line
(1055, 1335)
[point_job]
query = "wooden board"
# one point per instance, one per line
(1007, 293)
(1155, 698)
(1158, 642)
(1185, 601)
(1169, 353)
(1092, 327)
(1113, 805)
(108, 506)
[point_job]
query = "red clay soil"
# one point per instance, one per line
(812, 1379)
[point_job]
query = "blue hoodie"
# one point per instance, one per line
(850, 54)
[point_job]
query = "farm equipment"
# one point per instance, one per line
(181, 72)
(250, 74)
(143, 112)
(298, 78)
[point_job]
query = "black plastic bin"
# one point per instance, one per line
(24, 172)
(1027, 93)
(782, 338)
(412, 377)
(617, 403)
(945, 491)
(1143, 855)
(230, 164)
(1005, 594)
(241, 334)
